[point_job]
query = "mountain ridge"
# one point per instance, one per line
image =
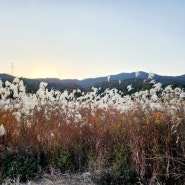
(70, 84)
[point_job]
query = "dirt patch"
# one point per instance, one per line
(56, 179)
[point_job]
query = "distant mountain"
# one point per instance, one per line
(5, 77)
(32, 85)
(70, 84)
(86, 83)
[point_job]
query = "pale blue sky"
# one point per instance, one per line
(89, 38)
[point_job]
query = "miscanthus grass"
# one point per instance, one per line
(117, 138)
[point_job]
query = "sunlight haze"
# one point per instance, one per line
(81, 39)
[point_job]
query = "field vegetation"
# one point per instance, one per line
(119, 139)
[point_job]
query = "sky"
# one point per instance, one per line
(90, 38)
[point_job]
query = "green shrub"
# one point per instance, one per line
(63, 161)
(25, 164)
(118, 167)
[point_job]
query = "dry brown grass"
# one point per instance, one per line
(55, 178)
(152, 141)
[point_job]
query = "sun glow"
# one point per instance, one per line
(44, 73)
(38, 69)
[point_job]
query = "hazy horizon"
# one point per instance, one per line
(95, 76)
(79, 39)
